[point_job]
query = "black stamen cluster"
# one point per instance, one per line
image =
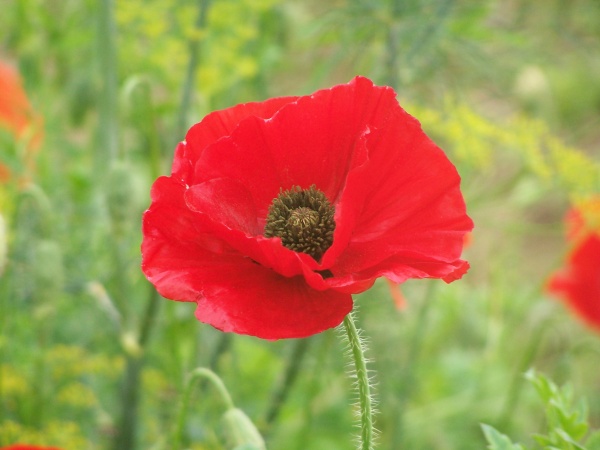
(303, 219)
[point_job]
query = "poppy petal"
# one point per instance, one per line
(578, 283)
(249, 299)
(186, 262)
(216, 125)
(415, 213)
(309, 141)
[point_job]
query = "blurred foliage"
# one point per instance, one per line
(567, 421)
(510, 91)
(476, 141)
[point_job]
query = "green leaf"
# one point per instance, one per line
(568, 440)
(497, 440)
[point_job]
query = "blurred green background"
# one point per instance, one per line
(91, 358)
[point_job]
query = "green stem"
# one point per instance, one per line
(223, 345)
(149, 316)
(516, 384)
(109, 145)
(194, 50)
(361, 372)
(127, 429)
(195, 376)
(408, 381)
(324, 344)
(284, 387)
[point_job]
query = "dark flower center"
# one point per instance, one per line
(303, 219)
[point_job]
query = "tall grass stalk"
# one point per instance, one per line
(409, 380)
(188, 87)
(515, 387)
(283, 388)
(109, 132)
(126, 436)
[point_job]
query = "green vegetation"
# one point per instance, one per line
(92, 358)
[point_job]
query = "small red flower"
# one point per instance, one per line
(276, 212)
(583, 218)
(15, 110)
(578, 283)
(17, 117)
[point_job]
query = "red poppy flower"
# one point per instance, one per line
(276, 212)
(578, 283)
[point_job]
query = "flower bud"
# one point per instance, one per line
(241, 432)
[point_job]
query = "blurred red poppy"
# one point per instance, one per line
(276, 212)
(578, 283)
(17, 116)
(583, 218)
(27, 447)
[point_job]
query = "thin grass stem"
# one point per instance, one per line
(194, 52)
(109, 142)
(127, 429)
(516, 384)
(282, 390)
(408, 381)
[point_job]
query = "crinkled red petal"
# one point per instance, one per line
(226, 208)
(250, 299)
(330, 131)
(186, 262)
(414, 217)
(215, 126)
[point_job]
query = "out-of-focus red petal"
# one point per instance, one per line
(578, 283)
(186, 262)
(397, 295)
(217, 125)
(27, 447)
(458, 272)
(15, 111)
(583, 218)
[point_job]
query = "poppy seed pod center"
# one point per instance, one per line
(303, 219)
